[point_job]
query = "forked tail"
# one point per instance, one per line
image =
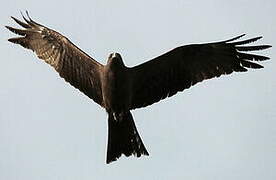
(123, 137)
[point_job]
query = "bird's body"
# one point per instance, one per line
(120, 89)
(116, 91)
(116, 85)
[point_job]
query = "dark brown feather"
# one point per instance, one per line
(185, 66)
(76, 67)
(21, 23)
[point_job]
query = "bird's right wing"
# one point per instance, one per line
(187, 65)
(75, 66)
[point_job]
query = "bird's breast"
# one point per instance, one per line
(116, 89)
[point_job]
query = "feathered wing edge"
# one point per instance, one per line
(247, 56)
(30, 27)
(185, 66)
(72, 64)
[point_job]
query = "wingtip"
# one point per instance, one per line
(25, 19)
(242, 35)
(258, 66)
(28, 16)
(258, 37)
(11, 40)
(10, 28)
(20, 41)
(29, 20)
(27, 13)
(233, 39)
(15, 19)
(21, 13)
(265, 47)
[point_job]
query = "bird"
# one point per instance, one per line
(119, 89)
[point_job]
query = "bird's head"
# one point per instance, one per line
(115, 59)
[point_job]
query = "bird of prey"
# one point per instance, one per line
(120, 89)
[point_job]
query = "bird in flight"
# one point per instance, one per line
(120, 89)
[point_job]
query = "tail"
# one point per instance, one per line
(123, 137)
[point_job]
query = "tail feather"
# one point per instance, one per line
(123, 137)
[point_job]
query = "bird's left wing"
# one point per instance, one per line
(72, 64)
(185, 66)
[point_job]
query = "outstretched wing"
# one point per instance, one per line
(75, 66)
(185, 66)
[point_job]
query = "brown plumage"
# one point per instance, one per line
(119, 89)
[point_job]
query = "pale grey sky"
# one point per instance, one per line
(223, 128)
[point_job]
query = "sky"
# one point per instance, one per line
(224, 128)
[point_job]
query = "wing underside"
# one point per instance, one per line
(185, 66)
(72, 64)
